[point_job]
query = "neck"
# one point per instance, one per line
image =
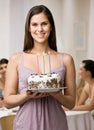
(40, 50)
(90, 82)
(2, 83)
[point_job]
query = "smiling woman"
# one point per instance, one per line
(39, 51)
(40, 31)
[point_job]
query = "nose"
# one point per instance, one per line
(4, 70)
(40, 28)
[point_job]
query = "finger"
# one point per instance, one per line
(29, 92)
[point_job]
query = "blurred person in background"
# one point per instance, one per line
(85, 99)
(3, 67)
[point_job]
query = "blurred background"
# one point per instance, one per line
(74, 20)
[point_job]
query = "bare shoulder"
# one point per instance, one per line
(68, 59)
(15, 58)
(86, 88)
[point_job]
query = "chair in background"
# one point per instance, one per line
(7, 122)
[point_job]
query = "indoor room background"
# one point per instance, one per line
(74, 20)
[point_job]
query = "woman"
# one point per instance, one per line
(39, 111)
(86, 98)
(3, 67)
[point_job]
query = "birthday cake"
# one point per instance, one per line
(44, 81)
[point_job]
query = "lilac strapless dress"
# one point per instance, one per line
(39, 114)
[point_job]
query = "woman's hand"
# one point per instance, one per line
(36, 94)
(56, 94)
(45, 94)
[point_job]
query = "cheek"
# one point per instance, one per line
(48, 31)
(48, 28)
(80, 73)
(1, 72)
(82, 76)
(31, 30)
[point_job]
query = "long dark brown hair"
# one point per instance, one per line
(28, 40)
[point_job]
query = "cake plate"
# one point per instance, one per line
(42, 90)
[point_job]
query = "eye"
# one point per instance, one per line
(34, 24)
(5, 67)
(1, 68)
(44, 23)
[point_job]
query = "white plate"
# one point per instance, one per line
(47, 89)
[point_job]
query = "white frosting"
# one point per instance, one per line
(44, 81)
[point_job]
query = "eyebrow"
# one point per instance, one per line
(46, 21)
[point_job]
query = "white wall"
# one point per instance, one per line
(91, 32)
(16, 25)
(75, 18)
(4, 28)
(66, 13)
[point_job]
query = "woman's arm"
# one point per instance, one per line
(83, 98)
(11, 97)
(69, 97)
(86, 107)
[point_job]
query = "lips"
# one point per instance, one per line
(40, 35)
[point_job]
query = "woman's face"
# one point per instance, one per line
(40, 28)
(82, 72)
(3, 68)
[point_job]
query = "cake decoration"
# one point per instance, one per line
(44, 79)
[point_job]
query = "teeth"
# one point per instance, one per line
(40, 35)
